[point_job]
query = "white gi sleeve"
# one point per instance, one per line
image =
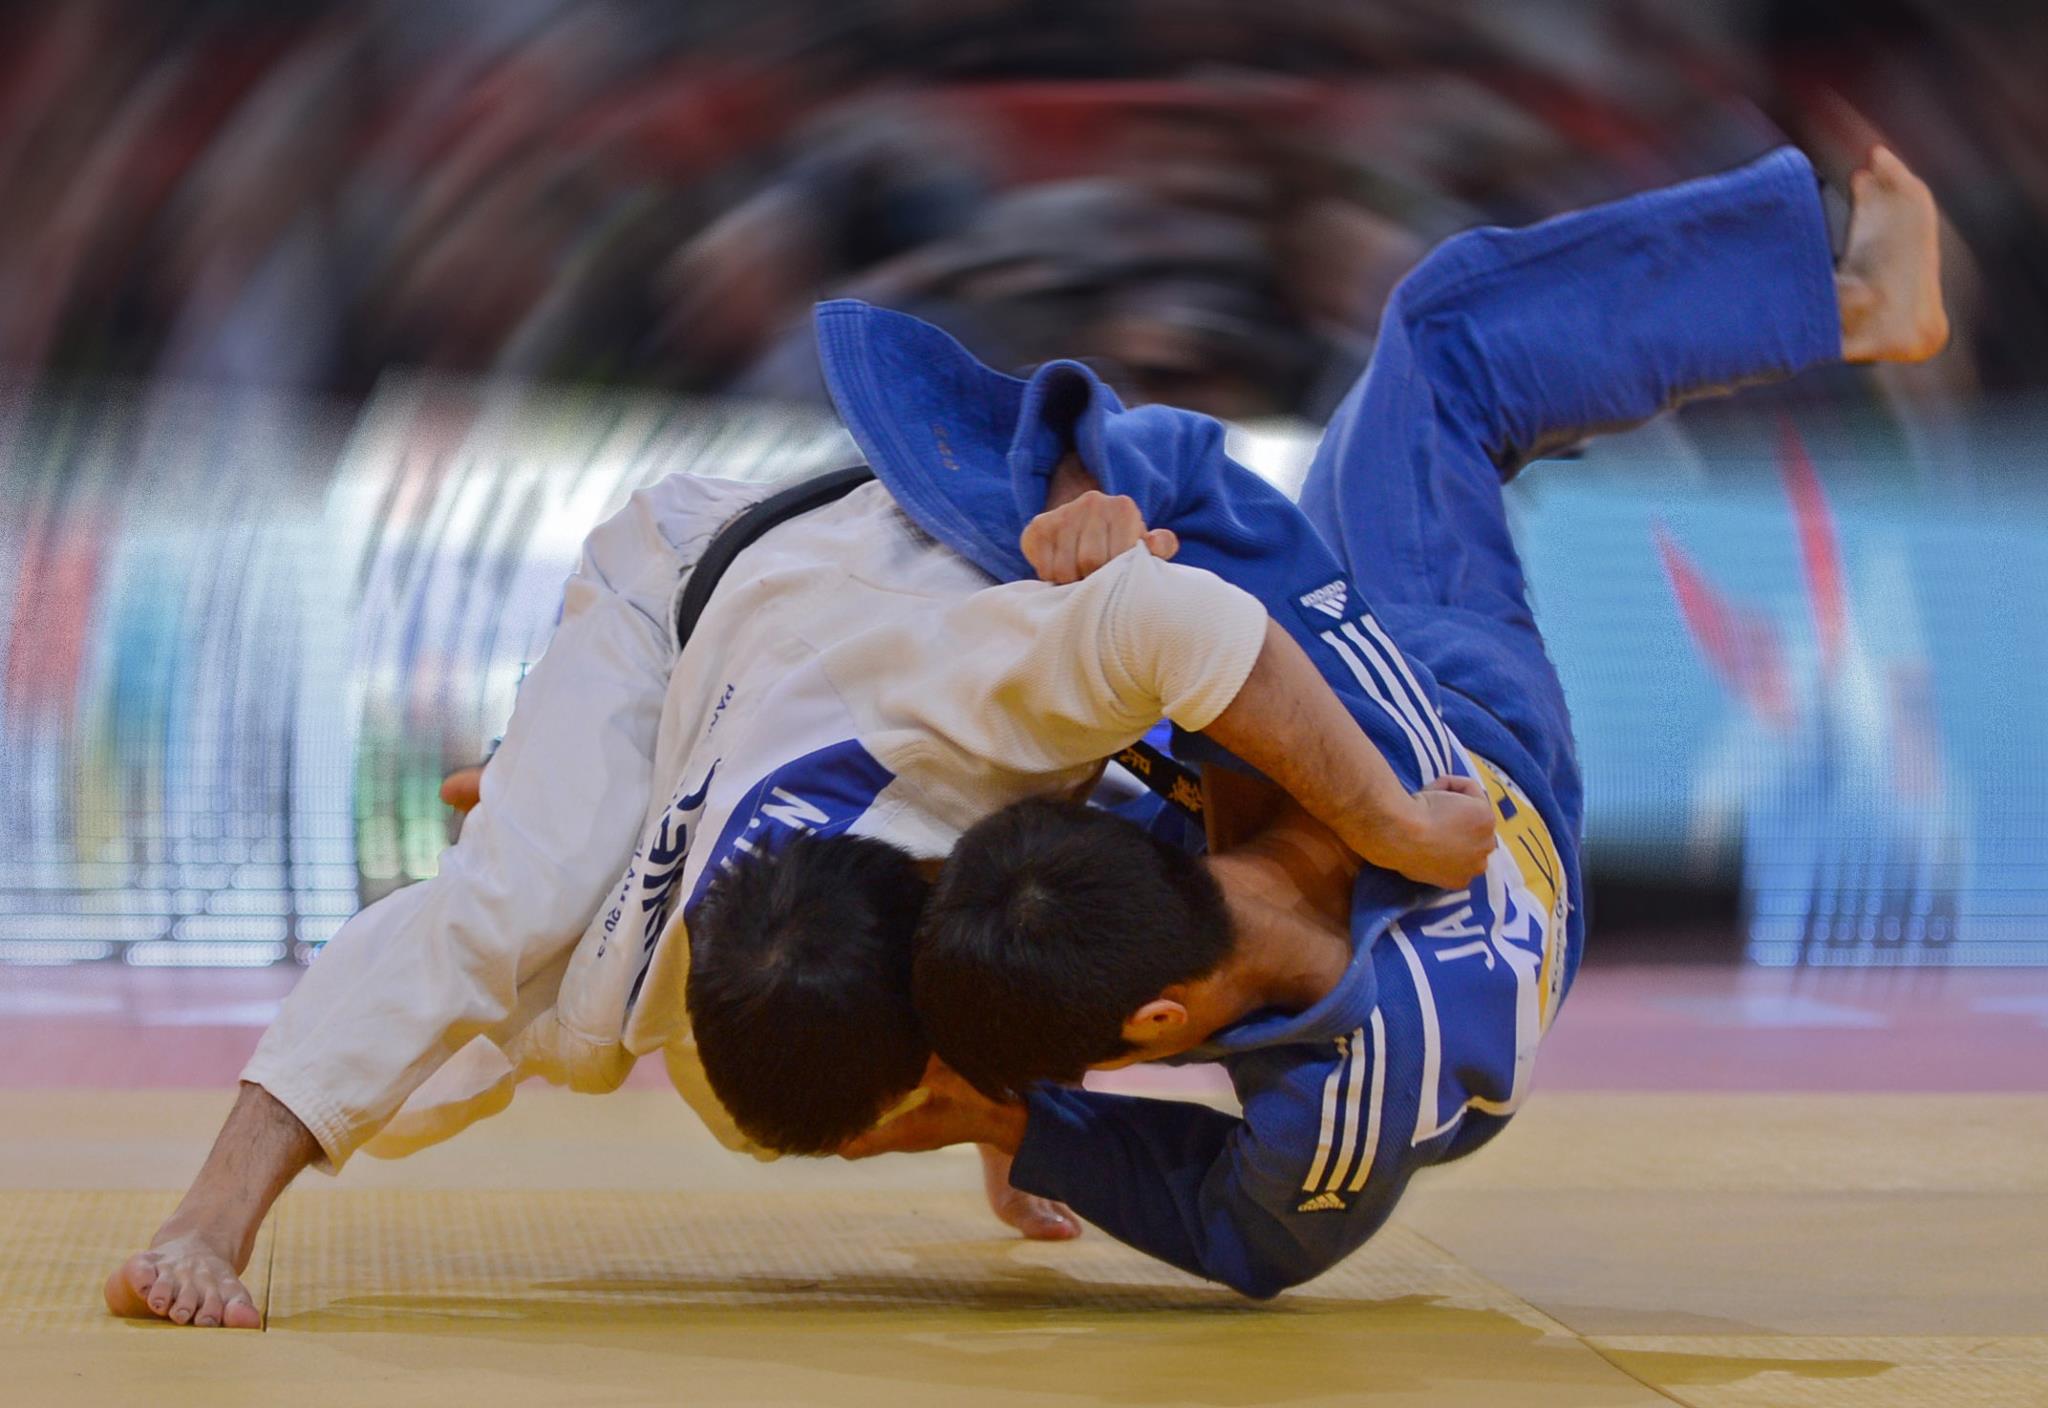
(409, 981)
(1036, 679)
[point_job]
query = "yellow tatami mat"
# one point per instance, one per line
(604, 1252)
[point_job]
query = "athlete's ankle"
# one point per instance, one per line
(224, 1231)
(1859, 304)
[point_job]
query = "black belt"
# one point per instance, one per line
(743, 532)
(1173, 780)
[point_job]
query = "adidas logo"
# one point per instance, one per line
(1329, 600)
(1323, 1202)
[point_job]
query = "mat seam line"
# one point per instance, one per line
(270, 1266)
(1625, 1372)
(1597, 1352)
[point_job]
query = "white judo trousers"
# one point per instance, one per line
(849, 673)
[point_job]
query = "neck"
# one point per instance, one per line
(1289, 950)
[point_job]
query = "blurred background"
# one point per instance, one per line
(328, 330)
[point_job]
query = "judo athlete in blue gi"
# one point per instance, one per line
(1403, 1034)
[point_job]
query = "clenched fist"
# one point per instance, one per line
(1067, 543)
(1442, 837)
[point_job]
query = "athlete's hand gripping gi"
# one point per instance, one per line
(1440, 835)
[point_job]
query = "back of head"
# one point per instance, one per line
(1051, 924)
(799, 989)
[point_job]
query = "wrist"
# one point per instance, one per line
(1070, 479)
(1382, 826)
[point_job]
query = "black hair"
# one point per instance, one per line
(799, 989)
(1050, 924)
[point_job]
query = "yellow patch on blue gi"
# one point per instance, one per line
(1520, 828)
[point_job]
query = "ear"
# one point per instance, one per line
(1157, 1020)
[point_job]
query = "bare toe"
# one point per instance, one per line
(183, 1280)
(208, 1314)
(127, 1290)
(162, 1291)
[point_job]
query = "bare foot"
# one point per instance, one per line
(1040, 1219)
(1889, 280)
(191, 1273)
(185, 1280)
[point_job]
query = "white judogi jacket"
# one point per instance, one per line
(849, 675)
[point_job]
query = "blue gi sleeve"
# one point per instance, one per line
(1258, 1203)
(1334, 1126)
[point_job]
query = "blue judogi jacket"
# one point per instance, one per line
(1424, 1048)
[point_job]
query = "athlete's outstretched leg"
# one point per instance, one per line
(1506, 343)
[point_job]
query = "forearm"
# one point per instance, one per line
(1289, 725)
(1160, 1176)
(1206, 655)
(1286, 723)
(1134, 1167)
(1001, 1127)
(1070, 480)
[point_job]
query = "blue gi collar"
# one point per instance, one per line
(1344, 1008)
(914, 398)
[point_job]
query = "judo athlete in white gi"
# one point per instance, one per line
(850, 678)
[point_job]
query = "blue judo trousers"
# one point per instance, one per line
(1397, 574)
